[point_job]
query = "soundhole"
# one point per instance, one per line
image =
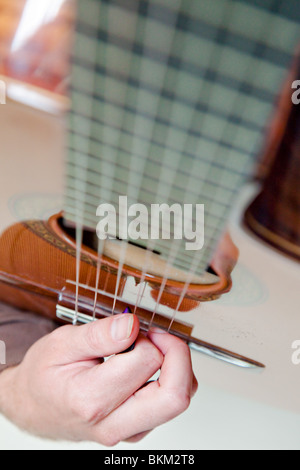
(138, 257)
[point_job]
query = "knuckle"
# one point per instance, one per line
(82, 410)
(177, 402)
(86, 413)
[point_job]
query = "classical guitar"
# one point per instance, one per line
(169, 104)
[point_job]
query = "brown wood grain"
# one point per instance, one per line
(37, 258)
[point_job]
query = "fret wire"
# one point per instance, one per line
(168, 98)
(234, 119)
(228, 82)
(168, 124)
(185, 18)
(238, 42)
(251, 125)
(121, 43)
(221, 166)
(221, 202)
(207, 181)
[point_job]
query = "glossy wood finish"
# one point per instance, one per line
(275, 214)
(38, 258)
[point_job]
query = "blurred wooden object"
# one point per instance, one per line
(275, 214)
(42, 57)
(279, 123)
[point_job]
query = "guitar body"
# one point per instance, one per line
(38, 258)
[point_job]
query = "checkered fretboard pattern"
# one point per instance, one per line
(170, 102)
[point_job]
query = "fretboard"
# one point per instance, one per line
(170, 103)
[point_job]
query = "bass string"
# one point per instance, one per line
(103, 19)
(111, 182)
(83, 144)
(137, 164)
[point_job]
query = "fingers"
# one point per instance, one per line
(109, 385)
(102, 338)
(104, 396)
(157, 403)
(177, 372)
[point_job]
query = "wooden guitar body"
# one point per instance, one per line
(38, 260)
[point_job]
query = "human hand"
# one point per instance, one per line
(64, 390)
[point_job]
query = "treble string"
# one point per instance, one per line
(249, 74)
(165, 186)
(175, 246)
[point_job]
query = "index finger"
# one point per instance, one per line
(177, 370)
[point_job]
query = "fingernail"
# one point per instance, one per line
(122, 328)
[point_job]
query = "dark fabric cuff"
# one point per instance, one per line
(19, 330)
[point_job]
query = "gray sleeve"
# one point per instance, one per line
(19, 330)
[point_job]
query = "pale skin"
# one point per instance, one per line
(63, 391)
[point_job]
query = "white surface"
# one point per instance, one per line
(234, 408)
(216, 420)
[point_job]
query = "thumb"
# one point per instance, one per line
(98, 339)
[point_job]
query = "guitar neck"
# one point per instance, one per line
(170, 102)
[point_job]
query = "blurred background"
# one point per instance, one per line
(35, 42)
